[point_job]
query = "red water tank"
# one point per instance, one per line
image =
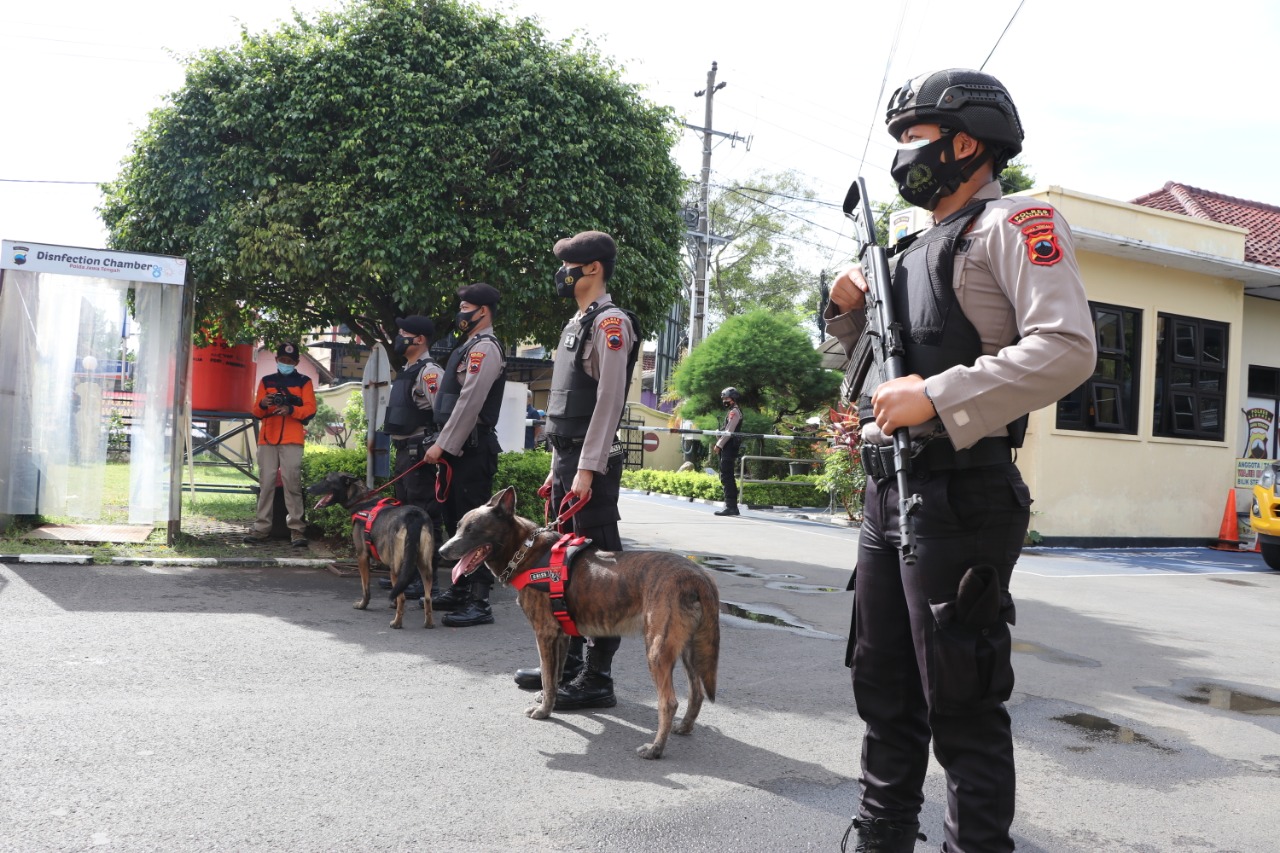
(223, 378)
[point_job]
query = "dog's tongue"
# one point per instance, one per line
(469, 563)
(323, 502)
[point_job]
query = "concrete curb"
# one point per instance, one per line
(230, 562)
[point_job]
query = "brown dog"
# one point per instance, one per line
(664, 597)
(401, 536)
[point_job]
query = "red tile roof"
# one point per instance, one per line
(1262, 221)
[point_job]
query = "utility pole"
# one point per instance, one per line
(703, 236)
(699, 316)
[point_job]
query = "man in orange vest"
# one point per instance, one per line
(285, 402)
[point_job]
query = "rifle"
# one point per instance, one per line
(883, 334)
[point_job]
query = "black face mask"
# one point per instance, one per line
(466, 320)
(566, 279)
(923, 179)
(728, 404)
(402, 344)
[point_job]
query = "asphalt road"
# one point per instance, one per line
(178, 708)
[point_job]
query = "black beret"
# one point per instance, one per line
(479, 294)
(586, 247)
(416, 324)
(287, 351)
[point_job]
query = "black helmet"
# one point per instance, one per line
(730, 393)
(960, 99)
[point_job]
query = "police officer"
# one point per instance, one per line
(995, 325)
(727, 447)
(589, 384)
(410, 422)
(466, 411)
(285, 403)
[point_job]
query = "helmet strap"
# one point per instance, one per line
(976, 162)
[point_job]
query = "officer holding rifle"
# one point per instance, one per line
(994, 324)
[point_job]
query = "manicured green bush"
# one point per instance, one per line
(691, 484)
(526, 471)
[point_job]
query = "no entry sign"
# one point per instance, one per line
(650, 442)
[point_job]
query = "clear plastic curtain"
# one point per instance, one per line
(72, 357)
(158, 311)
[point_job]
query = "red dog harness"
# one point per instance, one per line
(367, 516)
(553, 577)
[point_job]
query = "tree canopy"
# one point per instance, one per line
(364, 165)
(766, 356)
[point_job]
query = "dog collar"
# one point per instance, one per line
(519, 555)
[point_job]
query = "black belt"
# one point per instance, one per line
(564, 442)
(937, 455)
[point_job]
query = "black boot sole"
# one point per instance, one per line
(585, 704)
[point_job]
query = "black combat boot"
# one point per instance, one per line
(877, 835)
(453, 598)
(531, 678)
(593, 686)
(475, 611)
(728, 510)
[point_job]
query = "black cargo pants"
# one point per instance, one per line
(918, 672)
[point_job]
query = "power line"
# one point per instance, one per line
(782, 210)
(34, 181)
(884, 81)
(780, 195)
(1002, 32)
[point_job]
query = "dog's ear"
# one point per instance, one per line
(505, 500)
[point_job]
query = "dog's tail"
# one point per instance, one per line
(706, 639)
(409, 555)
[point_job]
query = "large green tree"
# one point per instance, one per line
(767, 357)
(367, 163)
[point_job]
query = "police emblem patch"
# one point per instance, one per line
(474, 360)
(1042, 244)
(432, 381)
(1031, 213)
(611, 328)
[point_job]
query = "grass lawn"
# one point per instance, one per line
(213, 523)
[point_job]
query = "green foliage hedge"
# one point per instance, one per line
(526, 471)
(691, 484)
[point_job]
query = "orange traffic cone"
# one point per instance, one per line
(1229, 530)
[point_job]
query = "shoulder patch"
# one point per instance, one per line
(431, 381)
(611, 328)
(1042, 244)
(1030, 214)
(474, 359)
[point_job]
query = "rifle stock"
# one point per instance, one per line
(884, 333)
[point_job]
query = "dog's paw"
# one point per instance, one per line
(538, 712)
(684, 728)
(361, 604)
(395, 623)
(649, 750)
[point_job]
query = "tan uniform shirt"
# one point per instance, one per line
(476, 373)
(1016, 279)
(605, 361)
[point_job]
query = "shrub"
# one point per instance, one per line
(526, 471)
(691, 484)
(843, 477)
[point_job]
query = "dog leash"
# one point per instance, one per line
(568, 509)
(403, 473)
(445, 469)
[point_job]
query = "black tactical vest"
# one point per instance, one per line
(572, 400)
(935, 333)
(403, 416)
(451, 388)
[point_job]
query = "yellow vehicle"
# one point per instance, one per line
(1264, 515)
